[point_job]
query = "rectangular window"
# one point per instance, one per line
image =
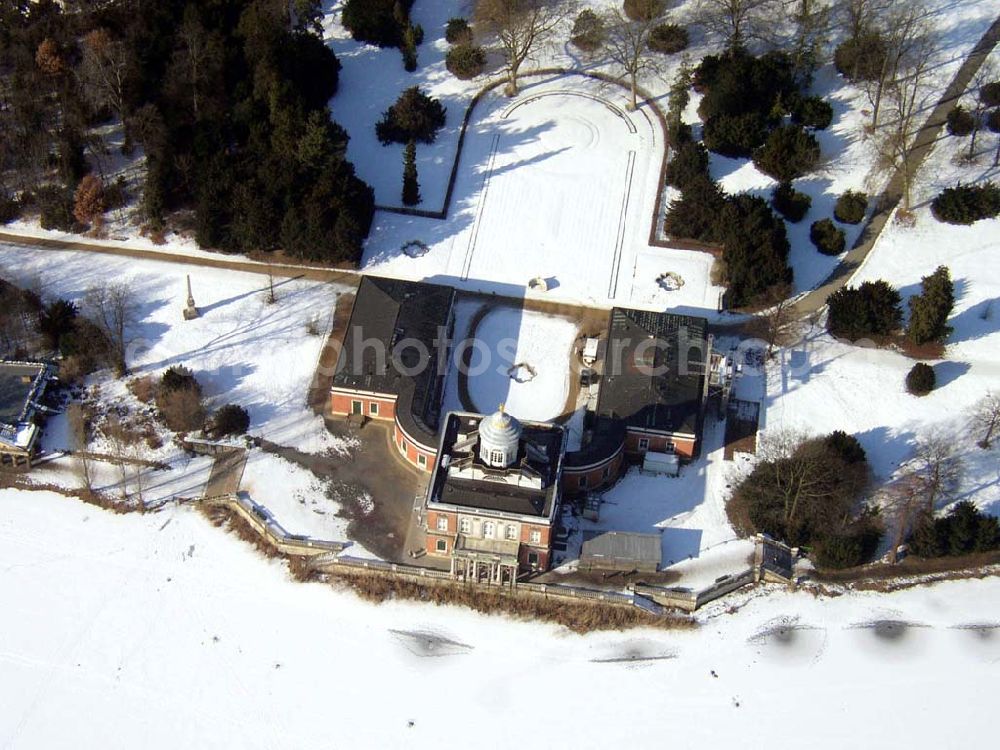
(535, 536)
(402, 445)
(583, 481)
(465, 525)
(511, 532)
(442, 545)
(489, 529)
(643, 444)
(670, 447)
(533, 559)
(373, 408)
(606, 472)
(355, 407)
(442, 523)
(421, 459)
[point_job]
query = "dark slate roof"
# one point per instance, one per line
(388, 311)
(18, 381)
(495, 496)
(654, 387)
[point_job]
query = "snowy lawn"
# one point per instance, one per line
(241, 350)
(521, 359)
(159, 631)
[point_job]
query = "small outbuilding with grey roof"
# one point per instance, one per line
(621, 551)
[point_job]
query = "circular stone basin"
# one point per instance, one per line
(670, 281)
(522, 372)
(415, 248)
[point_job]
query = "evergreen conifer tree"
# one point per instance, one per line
(411, 188)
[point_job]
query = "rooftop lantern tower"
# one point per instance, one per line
(499, 439)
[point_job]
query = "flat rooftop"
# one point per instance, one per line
(17, 381)
(654, 371)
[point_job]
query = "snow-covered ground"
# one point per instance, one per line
(240, 349)
(159, 631)
(519, 358)
(821, 385)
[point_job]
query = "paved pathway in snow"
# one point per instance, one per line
(926, 137)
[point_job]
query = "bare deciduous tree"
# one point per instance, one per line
(905, 35)
(520, 26)
(904, 98)
(112, 308)
(811, 20)
(627, 44)
(737, 21)
(102, 71)
(77, 419)
(937, 469)
(984, 419)
(775, 325)
(117, 436)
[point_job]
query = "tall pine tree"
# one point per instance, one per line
(411, 188)
(930, 309)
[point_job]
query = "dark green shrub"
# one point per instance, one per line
(790, 203)
(872, 309)
(668, 39)
(644, 10)
(55, 205)
(811, 112)
(465, 61)
(861, 58)
(376, 21)
(851, 207)
(755, 249)
(920, 380)
(846, 446)
(738, 83)
(827, 238)
(10, 209)
(178, 377)
(855, 546)
(789, 152)
(735, 135)
(231, 419)
(414, 117)
(695, 215)
(458, 31)
(964, 531)
(930, 310)
(966, 204)
(989, 94)
(992, 121)
(57, 319)
(588, 31)
(961, 121)
(690, 161)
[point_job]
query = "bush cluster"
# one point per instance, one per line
(231, 419)
(55, 205)
(851, 207)
(967, 204)
(735, 136)
(829, 517)
(644, 10)
(960, 121)
(811, 112)
(871, 309)
(790, 203)
(668, 39)
(458, 31)
(862, 57)
(827, 238)
(929, 310)
(465, 61)
(920, 380)
(789, 152)
(588, 31)
(10, 209)
(179, 400)
(755, 244)
(965, 530)
(414, 117)
(385, 23)
(689, 162)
